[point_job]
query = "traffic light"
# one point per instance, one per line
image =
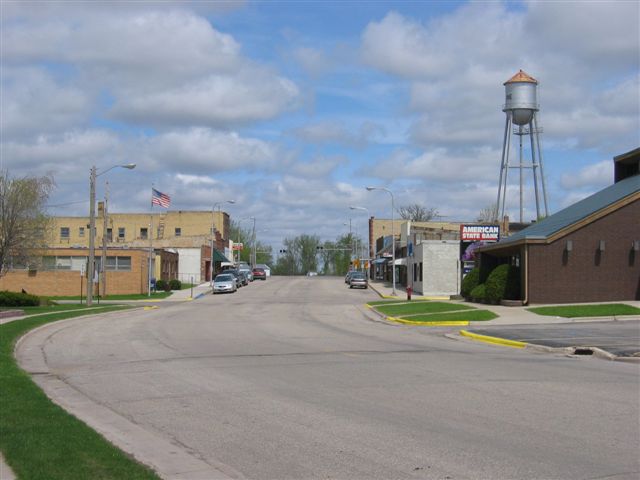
(319, 248)
(283, 251)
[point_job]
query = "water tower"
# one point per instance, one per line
(521, 109)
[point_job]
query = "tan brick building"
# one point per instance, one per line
(59, 273)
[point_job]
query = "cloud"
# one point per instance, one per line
(202, 149)
(318, 167)
(214, 101)
(313, 61)
(32, 98)
(335, 132)
(598, 175)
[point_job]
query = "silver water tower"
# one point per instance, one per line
(521, 108)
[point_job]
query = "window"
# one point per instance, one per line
(178, 231)
(119, 263)
(415, 272)
(64, 263)
(81, 231)
(109, 234)
(420, 271)
(64, 232)
(120, 233)
(144, 233)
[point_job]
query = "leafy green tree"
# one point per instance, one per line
(264, 252)
(24, 224)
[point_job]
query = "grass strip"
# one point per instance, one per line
(421, 307)
(471, 316)
(53, 309)
(573, 311)
(133, 296)
(39, 439)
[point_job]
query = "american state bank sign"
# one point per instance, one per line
(479, 233)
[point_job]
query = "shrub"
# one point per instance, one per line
(503, 283)
(175, 284)
(469, 282)
(161, 285)
(17, 299)
(478, 294)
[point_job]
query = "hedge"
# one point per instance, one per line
(162, 285)
(469, 282)
(478, 294)
(17, 299)
(503, 283)
(175, 284)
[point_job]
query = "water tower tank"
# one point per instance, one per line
(521, 97)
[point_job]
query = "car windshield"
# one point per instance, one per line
(223, 278)
(357, 275)
(259, 270)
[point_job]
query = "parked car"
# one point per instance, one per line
(358, 280)
(347, 277)
(236, 275)
(248, 273)
(312, 274)
(224, 283)
(244, 278)
(259, 274)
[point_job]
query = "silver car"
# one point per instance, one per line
(358, 280)
(224, 283)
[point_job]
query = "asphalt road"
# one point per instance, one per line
(289, 379)
(620, 338)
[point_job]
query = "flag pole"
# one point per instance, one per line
(150, 244)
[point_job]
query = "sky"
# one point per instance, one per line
(292, 108)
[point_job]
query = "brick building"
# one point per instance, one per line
(59, 272)
(588, 252)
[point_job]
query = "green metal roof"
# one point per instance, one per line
(219, 257)
(564, 218)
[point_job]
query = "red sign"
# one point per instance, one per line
(238, 246)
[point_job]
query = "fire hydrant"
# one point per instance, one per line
(409, 291)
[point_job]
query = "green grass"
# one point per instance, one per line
(601, 310)
(472, 316)
(53, 308)
(410, 308)
(135, 296)
(40, 440)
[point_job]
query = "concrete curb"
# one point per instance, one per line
(402, 321)
(168, 459)
(569, 351)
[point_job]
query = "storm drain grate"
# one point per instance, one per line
(582, 351)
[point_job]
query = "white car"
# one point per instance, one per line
(224, 283)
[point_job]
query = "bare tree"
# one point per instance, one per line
(23, 222)
(417, 213)
(488, 214)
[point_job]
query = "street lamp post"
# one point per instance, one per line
(369, 255)
(393, 237)
(92, 226)
(252, 255)
(213, 232)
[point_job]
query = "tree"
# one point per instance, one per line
(23, 222)
(417, 213)
(245, 236)
(488, 214)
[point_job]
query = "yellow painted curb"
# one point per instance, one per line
(443, 323)
(152, 307)
(495, 340)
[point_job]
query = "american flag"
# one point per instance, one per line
(159, 198)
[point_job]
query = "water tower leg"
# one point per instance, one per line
(534, 166)
(506, 168)
(521, 166)
(502, 167)
(544, 183)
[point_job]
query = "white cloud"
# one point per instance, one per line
(33, 99)
(318, 167)
(201, 149)
(598, 175)
(336, 132)
(213, 101)
(312, 60)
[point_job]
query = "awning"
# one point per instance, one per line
(219, 257)
(401, 261)
(379, 261)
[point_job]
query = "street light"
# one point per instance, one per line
(369, 255)
(213, 229)
(253, 240)
(92, 225)
(393, 237)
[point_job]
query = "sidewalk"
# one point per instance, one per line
(189, 293)
(506, 315)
